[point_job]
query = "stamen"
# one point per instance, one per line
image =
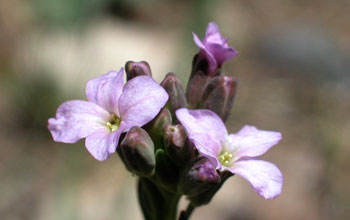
(114, 124)
(226, 158)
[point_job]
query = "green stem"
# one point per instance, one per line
(157, 203)
(189, 210)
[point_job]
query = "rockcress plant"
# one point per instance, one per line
(175, 142)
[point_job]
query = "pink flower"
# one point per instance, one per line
(235, 153)
(214, 47)
(111, 109)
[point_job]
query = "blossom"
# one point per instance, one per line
(111, 109)
(214, 47)
(235, 153)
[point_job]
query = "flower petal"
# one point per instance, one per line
(76, 119)
(141, 100)
(220, 52)
(198, 41)
(106, 90)
(212, 28)
(102, 143)
(205, 52)
(208, 147)
(203, 122)
(252, 142)
(265, 178)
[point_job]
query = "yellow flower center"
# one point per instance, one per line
(226, 158)
(114, 123)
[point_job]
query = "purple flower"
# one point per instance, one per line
(214, 47)
(235, 153)
(111, 109)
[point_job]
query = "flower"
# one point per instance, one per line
(214, 47)
(111, 109)
(235, 153)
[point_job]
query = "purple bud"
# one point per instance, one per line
(134, 69)
(195, 88)
(137, 152)
(177, 145)
(177, 99)
(219, 96)
(198, 176)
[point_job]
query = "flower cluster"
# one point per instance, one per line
(174, 141)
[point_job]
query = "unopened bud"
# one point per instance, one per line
(155, 128)
(199, 78)
(219, 96)
(177, 145)
(137, 152)
(199, 176)
(177, 99)
(134, 69)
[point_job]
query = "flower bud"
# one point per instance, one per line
(177, 145)
(198, 176)
(137, 152)
(219, 96)
(176, 93)
(167, 174)
(134, 69)
(200, 77)
(155, 128)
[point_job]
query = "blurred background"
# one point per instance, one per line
(293, 74)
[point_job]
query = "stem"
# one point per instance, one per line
(189, 210)
(185, 215)
(157, 203)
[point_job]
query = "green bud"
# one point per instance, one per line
(198, 176)
(177, 99)
(137, 152)
(134, 69)
(155, 128)
(177, 145)
(219, 96)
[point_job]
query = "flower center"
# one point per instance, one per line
(114, 123)
(226, 158)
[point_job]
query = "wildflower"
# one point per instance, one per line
(235, 153)
(111, 109)
(214, 47)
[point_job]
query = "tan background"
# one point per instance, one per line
(293, 74)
